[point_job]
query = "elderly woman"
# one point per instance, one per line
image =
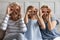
(13, 23)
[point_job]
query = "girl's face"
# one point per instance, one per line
(15, 12)
(33, 11)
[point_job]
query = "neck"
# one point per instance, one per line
(33, 17)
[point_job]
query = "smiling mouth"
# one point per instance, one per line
(33, 14)
(45, 15)
(14, 19)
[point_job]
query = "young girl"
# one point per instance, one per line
(31, 20)
(50, 23)
(13, 23)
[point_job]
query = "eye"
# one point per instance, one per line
(11, 9)
(35, 11)
(42, 11)
(48, 11)
(17, 9)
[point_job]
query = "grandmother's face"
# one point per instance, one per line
(15, 12)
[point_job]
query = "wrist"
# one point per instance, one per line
(7, 15)
(37, 15)
(49, 21)
(26, 15)
(40, 16)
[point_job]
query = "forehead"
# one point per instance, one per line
(13, 6)
(33, 9)
(44, 9)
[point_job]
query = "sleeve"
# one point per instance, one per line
(55, 19)
(23, 27)
(4, 23)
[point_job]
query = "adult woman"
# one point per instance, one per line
(50, 22)
(13, 23)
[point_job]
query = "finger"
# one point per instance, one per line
(38, 13)
(9, 11)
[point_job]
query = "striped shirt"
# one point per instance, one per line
(13, 26)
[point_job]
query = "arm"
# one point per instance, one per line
(41, 22)
(26, 18)
(51, 24)
(22, 26)
(4, 23)
(40, 19)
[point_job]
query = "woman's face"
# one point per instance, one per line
(15, 12)
(45, 12)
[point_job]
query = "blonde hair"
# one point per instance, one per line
(49, 10)
(15, 4)
(45, 6)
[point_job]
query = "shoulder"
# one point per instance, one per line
(54, 18)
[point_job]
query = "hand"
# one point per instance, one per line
(28, 12)
(38, 13)
(9, 11)
(41, 14)
(48, 18)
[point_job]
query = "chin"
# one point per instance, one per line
(44, 16)
(15, 19)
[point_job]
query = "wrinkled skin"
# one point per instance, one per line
(14, 12)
